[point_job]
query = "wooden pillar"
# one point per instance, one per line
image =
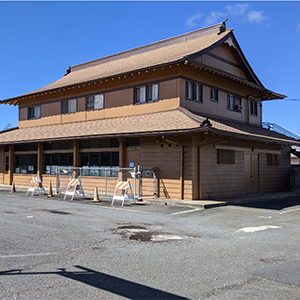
(122, 156)
(182, 172)
(195, 172)
(200, 173)
(10, 164)
(76, 154)
(40, 160)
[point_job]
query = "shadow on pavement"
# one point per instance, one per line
(274, 204)
(116, 285)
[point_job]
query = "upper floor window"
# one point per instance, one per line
(68, 106)
(146, 93)
(94, 102)
(234, 102)
(253, 111)
(193, 91)
(34, 112)
(214, 95)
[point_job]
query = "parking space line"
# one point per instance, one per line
(290, 210)
(27, 255)
(185, 211)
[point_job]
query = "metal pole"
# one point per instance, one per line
(139, 182)
(105, 169)
(154, 182)
(134, 181)
(57, 180)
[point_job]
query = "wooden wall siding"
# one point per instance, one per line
(2, 164)
(46, 182)
(147, 187)
(220, 180)
(89, 184)
(274, 178)
(166, 157)
(118, 102)
(6, 179)
(22, 180)
(191, 173)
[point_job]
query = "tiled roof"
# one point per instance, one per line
(176, 121)
(156, 54)
(251, 132)
(169, 121)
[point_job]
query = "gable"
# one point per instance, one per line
(226, 56)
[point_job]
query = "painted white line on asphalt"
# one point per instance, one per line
(290, 210)
(186, 211)
(259, 228)
(27, 255)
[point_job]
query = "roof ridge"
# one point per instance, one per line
(217, 28)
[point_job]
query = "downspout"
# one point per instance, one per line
(181, 165)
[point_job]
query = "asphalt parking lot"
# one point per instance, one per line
(55, 249)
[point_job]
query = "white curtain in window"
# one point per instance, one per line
(72, 106)
(98, 101)
(37, 112)
(155, 92)
(142, 94)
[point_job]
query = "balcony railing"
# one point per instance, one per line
(279, 129)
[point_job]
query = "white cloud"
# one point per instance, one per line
(298, 27)
(255, 16)
(237, 10)
(215, 17)
(191, 21)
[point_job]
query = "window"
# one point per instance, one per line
(253, 108)
(54, 160)
(6, 163)
(96, 143)
(193, 91)
(226, 157)
(34, 112)
(25, 147)
(94, 102)
(272, 159)
(146, 93)
(133, 142)
(69, 106)
(25, 163)
(214, 95)
(96, 163)
(62, 145)
(234, 103)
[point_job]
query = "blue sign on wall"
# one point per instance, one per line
(131, 164)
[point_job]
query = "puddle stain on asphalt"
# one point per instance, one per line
(141, 233)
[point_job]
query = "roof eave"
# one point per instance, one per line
(266, 94)
(254, 138)
(15, 100)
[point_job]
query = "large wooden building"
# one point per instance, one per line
(190, 105)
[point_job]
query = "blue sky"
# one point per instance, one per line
(39, 40)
